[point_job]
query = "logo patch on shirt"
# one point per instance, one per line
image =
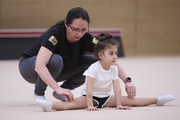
(53, 40)
(95, 41)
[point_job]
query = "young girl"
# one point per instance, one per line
(100, 76)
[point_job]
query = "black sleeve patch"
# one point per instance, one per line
(53, 40)
(95, 41)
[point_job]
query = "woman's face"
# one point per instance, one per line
(76, 30)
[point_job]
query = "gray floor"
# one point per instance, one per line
(153, 77)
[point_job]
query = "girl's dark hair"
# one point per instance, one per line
(75, 13)
(105, 40)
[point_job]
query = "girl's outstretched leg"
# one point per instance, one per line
(160, 101)
(78, 103)
(164, 99)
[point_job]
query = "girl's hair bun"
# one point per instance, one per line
(104, 36)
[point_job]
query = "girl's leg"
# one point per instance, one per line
(160, 101)
(78, 103)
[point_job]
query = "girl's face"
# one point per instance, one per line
(109, 55)
(76, 30)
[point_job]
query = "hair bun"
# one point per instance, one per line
(104, 36)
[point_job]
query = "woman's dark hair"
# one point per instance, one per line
(75, 13)
(105, 40)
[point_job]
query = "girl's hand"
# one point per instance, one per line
(120, 107)
(92, 108)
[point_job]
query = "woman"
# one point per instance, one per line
(62, 53)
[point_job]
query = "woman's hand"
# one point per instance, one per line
(65, 92)
(92, 108)
(130, 89)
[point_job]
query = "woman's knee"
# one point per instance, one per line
(87, 60)
(26, 69)
(55, 65)
(90, 58)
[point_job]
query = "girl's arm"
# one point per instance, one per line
(117, 93)
(89, 91)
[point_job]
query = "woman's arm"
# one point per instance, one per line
(42, 59)
(89, 91)
(129, 86)
(122, 74)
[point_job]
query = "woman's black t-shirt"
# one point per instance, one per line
(55, 40)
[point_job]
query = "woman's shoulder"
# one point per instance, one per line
(56, 30)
